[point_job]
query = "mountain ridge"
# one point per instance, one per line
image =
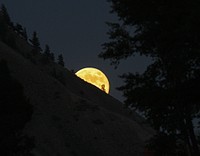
(73, 117)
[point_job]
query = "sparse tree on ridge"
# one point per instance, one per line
(3, 29)
(48, 55)
(24, 33)
(52, 57)
(35, 42)
(47, 52)
(61, 60)
(167, 92)
(4, 22)
(5, 14)
(19, 28)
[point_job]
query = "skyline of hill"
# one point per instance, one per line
(70, 116)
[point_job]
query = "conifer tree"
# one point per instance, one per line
(48, 55)
(47, 52)
(52, 57)
(5, 14)
(19, 28)
(60, 60)
(3, 29)
(25, 34)
(35, 42)
(3, 23)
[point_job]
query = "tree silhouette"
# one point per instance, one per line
(47, 51)
(35, 42)
(24, 34)
(3, 23)
(167, 92)
(15, 112)
(3, 30)
(60, 60)
(5, 15)
(19, 28)
(52, 57)
(103, 87)
(48, 55)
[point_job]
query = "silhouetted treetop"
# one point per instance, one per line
(48, 55)
(47, 50)
(52, 57)
(35, 41)
(5, 15)
(24, 33)
(61, 60)
(153, 28)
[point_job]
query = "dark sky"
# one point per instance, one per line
(75, 28)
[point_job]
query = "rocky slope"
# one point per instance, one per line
(74, 118)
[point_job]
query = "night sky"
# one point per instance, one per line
(76, 29)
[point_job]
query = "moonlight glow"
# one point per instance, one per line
(94, 77)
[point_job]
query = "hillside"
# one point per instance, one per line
(72, 117)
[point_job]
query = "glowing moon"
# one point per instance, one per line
(95, 77)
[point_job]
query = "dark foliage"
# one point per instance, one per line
(166, 144)
(5, 25)
(3, 29)
(47, 51)
(24, 34)
(52, 56)
(21, 31)
(19, 28)
(60, 60)
(15, 112)
(35, 43)
(167, 92)
(5, 15)
(47, 55)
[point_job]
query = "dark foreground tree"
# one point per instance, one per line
(15, 112)
(167, 92)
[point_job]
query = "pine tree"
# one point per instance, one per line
(3, 23)
(19, 28)
(5, 14)
(52, 57)
(35, 42)
(25, 34)
(60, 60)
(47, 52)
(3, 30)
(47, 55)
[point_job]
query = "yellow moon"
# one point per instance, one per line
(95, 77)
